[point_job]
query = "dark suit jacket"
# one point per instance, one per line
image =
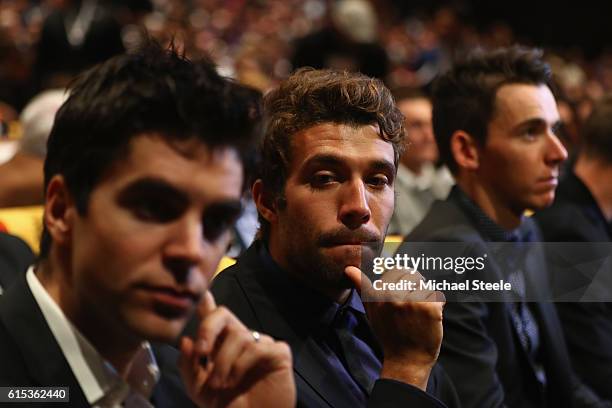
(480, 350)
(31, 357)
(576, 217)
(15, 257)
(249, 291)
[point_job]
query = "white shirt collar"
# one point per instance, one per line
(100, 383)
(421, 181)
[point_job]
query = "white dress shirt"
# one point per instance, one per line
(100, 382)
(414, 194)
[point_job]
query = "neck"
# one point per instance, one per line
(116, 346)
(490, 204)
(591, 172)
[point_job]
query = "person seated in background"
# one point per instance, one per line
(143, 179)
(494, 118)
(349, 42)
(21, 178)
(419, 183)
(582, 212)
(328, 166)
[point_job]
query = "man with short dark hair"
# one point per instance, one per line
(582, 212)
(143, 179)
(325, 197)
(495, 118)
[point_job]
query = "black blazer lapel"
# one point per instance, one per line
(553, 347)
(45, 362)
(310, 365)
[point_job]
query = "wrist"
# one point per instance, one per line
(413, 373)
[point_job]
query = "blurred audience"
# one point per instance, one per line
(261, 42)
(348, 43)
(21, 178)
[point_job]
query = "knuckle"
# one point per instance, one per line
(223, 310)
(284, 348)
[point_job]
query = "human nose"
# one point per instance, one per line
(354, 209)
(428, 131)
(556, 152)
(185, 248)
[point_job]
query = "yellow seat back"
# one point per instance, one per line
(24, 222)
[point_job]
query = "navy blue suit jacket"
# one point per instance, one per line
(576, 217)
(249, 291)
(481, 351)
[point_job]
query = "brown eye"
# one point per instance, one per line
(530, 134)
(219, 219)
(155, 210)
(378, 181)
(215, 227)
(322, 179)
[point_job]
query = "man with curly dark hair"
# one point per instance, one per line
(325, 197)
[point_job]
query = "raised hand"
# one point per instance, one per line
(408, 324)
(231, 366)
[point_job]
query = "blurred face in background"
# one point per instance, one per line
(421, 145)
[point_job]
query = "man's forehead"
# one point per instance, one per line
(420, 105)
(341, 140)
(515, 103)
(188, 164)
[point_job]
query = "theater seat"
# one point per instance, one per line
(24, 222)
(226, 262)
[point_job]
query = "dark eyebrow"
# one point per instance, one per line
(383, 165)
(323, 160)
(536, 122)
(152, 188)
(333, 161)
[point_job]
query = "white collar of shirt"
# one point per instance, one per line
(421, 181)
(100, 383)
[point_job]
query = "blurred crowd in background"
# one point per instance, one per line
(259, 42)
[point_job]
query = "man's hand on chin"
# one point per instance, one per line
(408, 324)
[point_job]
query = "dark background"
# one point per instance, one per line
(585, 24)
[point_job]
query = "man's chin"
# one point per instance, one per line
(344, 255)
(159, 329)
(542, 202)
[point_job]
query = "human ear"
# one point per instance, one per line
(465, 150)
(59, 210)
(266, 205)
